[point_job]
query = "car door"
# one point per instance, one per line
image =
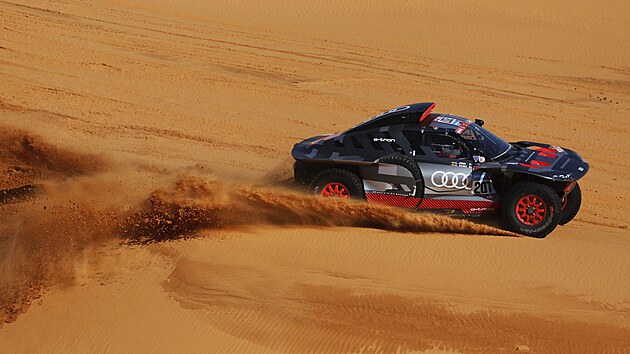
(446, 165)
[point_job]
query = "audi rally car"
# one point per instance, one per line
(410, 157)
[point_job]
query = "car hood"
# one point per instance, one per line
(547, 161)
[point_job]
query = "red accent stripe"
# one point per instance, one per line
(528, 165)
(543, 149)
(392, 200)
(427, 112)
(547, 154)
(466, 206)
(540, 163)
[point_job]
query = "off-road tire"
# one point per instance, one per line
(551, 205)
(349, 180)
(570, 210)
(408, 163)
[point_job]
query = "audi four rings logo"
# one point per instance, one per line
(450, 180)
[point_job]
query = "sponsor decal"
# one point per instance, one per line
(461, 164)
(385, 140)
(483, 187)
(455, 180)
(466, 206)
(462, 127)
(448, 120)
(565, 176)
(481, 210)
(479, 159)
(581, 169)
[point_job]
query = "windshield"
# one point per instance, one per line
(489, 144)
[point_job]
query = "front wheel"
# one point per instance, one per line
(570, 205)
(338, 183)
(531, 209)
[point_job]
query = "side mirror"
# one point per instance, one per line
(479, 122)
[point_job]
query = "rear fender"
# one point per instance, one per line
(385, 178)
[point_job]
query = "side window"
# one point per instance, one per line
(445, 146)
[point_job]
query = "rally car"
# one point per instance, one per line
(410, 157)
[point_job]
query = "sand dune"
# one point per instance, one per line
(157, 134)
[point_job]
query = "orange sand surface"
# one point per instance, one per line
(157, 134)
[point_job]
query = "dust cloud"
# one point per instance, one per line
(194, 203)
(83, 200)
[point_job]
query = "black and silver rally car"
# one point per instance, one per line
(410, 157)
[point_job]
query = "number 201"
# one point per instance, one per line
(483, 187)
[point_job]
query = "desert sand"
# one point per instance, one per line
(157, 134)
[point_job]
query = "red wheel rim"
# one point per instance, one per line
(531, 210)
(335, 189)
(563, 202)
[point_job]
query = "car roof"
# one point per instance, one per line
(414, 112)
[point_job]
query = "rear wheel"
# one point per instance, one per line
(337, 183)
(408, 163)
(531, 209)
(570, 205)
